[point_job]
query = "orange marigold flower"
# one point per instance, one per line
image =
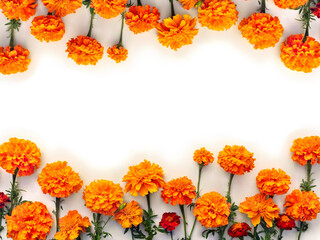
(14, 9)
(15, 60)
(47, 28)
(212, 210)
(306, 149)
(290, 3)
(84, 50)
(285, 222)
(19, 153)
(143, 178)
(117, 53)
(300, 56)
(202, 156)
(258, 207)
(236, 159)
(217, 15)
(302, 206)
(130, 215)
(177, 31)
(179, 191)
(3, 200)
(239, 230)
(71, 226)
(272, 181)
(142, 18)
(103, 196)
(108, 8)
(62, 8)
(30, 221)
(261, 29)
(59, 180)
(188, 4)
(169, 221)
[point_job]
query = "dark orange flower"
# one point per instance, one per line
(14, 9)
(117, 53)
(108, 8)
(62, 8)
(188, 4)
(306, 149)
(290, 3)
(15, 60)
(129, 216)
(202, 156)
(285, 222)
(239, 230)
(3, 199)
(169, 221)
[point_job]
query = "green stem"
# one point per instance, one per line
(172, 9)
(267, 234)
(300, 230)
(171, 235)
(309, 168)
(263, 6)
(106, 222)
(11, 43)
(199, 179)
(148, 202)
(132, 236)
(255, 232)
(229, 188)
(121, 33)
(241, 238)
(1, 217)
(280, 234)
(194, 224)
(13, 191)
(139, 3)
(58, 202)
(308, 16)
(91, 21)
(184, 221)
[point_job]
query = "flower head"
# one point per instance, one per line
(142, 18)
(143, 178)
(169, 221)
(217, 15)
(293, 4)
(258, 207)
(203, 157)
(84, 50)
(300, 56)
(103, 196)
(117, 53)
(188, 4)
(272, 181)
(3, 200)
(239, 230)
(129, 216)
(179, 191)
(71, 226)
(30, 221)
(15, 60)
(212, 210)
(14, 9)
(62, 8)
(306, 149)
(316, 10)
(236, 159)
(285, 222)
(59, 180)
(19, 153)
(108, 8)
(47, 28)
(177, 31)
(302, 206)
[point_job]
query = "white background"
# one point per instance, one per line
(160, 105)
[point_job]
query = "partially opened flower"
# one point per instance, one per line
(14, 60)
(169, 221)
(47, 28)
(239, 230)
(306, 149)
(62, 8)
(285, 222)
(130, 215)
(203, 156)
(13, 9)
(117, 53)
(293, 4)
(108, 8)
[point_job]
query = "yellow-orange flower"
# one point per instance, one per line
(14, 9)
(258, 207)
(142, 18)
(302, 206)
(130, 215)
(300, 56)
(117, 53)
(290, 3)
(236, 159)
(59, 180)
(15, 60)
(306, 149)
(272, 181)
(71, 226)
(20, 153)
(212, 210)
(103, 196)
(179, 191)
(84, 50)
(188, 4)
(177, 31)
(47, 28)
(217, 15)
(108, 8)
(143, 178)
(62, 8)
(261, 29)
(30, 221)
(203, 156)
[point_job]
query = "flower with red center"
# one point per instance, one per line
(169, 221)
(239, 230)
(3, 199)
(285, 222)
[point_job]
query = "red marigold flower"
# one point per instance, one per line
(170, 221)
(3, 199)
(239, 230)
(316, 10)
(285, 222)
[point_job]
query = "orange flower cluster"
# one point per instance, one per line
(300, 56)
(179, 191)
(108, 8)
(302, 206)
(142, 18)
(15, 60)
(103, 196)
(47, 28)
(258, 207)
(272, 181)
(30, 221)
(236, 159)
(143, 178)
(59, 180)
(188, 4)
(306, 149)
(117, 53)
(84, 50)
(212, 210)
(130, 216)
(293, 4)
(262, 30)
(239, 230)
(14, 9)
(19, 153)
(217, 15)
(203, 157)
(62, 8)
(177, 31)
